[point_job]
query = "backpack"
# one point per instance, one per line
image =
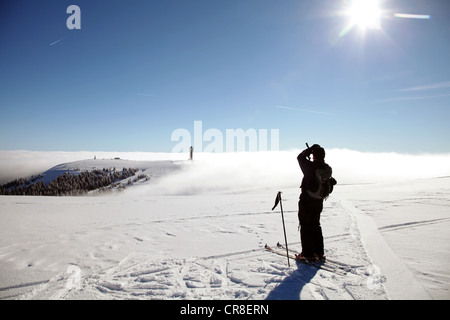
(325, 183)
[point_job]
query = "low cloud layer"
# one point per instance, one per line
(234, 172)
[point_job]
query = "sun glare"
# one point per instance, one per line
(365, 14)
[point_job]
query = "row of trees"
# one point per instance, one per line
(69, 184)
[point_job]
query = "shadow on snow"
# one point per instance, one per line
(291, 287)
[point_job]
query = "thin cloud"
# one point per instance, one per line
(411, 98)
(439, 85)
(426, 88)
(304, 110)
(55, 42)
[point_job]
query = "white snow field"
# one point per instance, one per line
(197, 231)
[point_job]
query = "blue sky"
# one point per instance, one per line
(138, 70)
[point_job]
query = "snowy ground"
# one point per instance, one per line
(194, 233)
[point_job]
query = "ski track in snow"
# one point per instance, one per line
(240, 274)
(137, 245)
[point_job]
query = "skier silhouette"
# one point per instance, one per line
(310, 207)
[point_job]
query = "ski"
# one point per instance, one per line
(281, 253)
(309, 263)
(328, 262)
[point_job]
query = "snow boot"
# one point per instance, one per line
(300, 257)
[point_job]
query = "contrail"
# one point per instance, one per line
(412, 16)
(55, 42)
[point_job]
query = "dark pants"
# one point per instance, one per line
(310, 231)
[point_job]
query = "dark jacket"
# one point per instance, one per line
(308, 168)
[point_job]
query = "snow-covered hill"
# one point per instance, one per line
(198, 232)
(93, 176)
(153, 169)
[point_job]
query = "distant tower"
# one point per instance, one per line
(191, 153)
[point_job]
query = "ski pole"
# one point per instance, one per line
(278, 200)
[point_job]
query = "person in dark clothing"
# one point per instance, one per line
(310, 208)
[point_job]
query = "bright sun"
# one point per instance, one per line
(365, 14)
